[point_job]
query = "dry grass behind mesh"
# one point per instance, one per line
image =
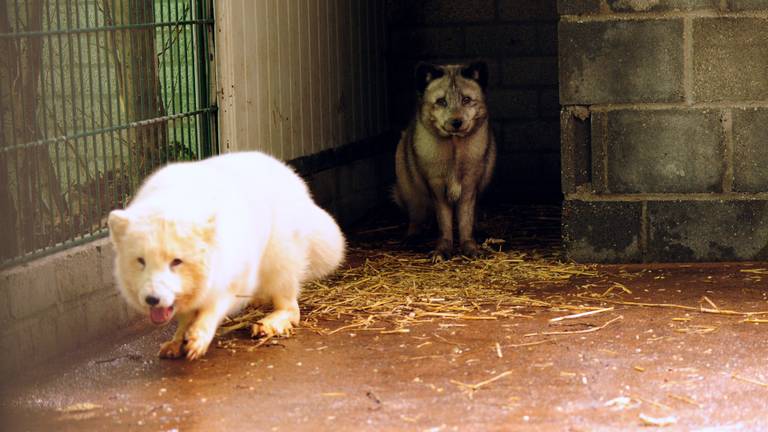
(391, 290)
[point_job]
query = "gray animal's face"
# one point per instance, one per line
(453, 102)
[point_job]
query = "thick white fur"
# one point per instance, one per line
(245, 228)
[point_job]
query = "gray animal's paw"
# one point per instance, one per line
(442, 252)
(471, 249)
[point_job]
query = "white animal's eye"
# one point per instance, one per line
(176, 262)
(140, 260)
(442, 102)
(466, 100)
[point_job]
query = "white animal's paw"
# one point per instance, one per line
(271, 327)
(172, 349)
(197, 344)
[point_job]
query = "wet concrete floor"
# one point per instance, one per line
(688, 369)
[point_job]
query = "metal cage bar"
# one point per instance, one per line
(94, 96)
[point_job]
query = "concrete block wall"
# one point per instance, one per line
(351, 180)
(664, 129)
(56, 304)
(518, 40)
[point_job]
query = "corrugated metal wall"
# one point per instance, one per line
(297, 77)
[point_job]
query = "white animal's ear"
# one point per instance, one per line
(118, 224)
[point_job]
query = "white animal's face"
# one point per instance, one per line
(453, 102)
(161, 265)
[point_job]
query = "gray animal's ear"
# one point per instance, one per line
(425, 73)
(477, 71)
(118, 224)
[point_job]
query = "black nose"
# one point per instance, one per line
(151, 300)
(456, 123)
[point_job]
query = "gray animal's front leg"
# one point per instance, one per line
(417, 214)
(466, 219)
(444, 247)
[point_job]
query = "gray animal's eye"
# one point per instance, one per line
(442, 102)
(466, 100)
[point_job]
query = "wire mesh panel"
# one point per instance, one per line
(94, 96)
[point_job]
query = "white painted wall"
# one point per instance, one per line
(296, 77)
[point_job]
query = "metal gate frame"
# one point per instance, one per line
(94, 96)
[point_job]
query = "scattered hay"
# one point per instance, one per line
(749, 380)
(471, 388)
(581, 315)
(390, 291)
(80, 407)
(404, 288)
(572, 332)
(677, 306)
(686, 399)
(657, 421)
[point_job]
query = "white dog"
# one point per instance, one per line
(202, 239)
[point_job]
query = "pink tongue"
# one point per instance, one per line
(159, 315)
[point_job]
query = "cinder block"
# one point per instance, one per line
(503, 39)
(364, 174)
(533, 174)
(441, 11)
(430, 42)
(530, 135)
(726, 230)
(107, 260)
(549, 103)
(513, 104)
(602, 231)
(747, 5)
(10, 361)
(5, 303)
(621, 61)
(105, 312)
(385, 168)
(35, 342)
(346, 175)
(664, 151)
(547, 35)
(402, 94)
(527, 10)
(661, 5)
(29, 290)
(324, 185)
(578, 7)
(730, 59)
(525, 71)
(750, 152)
(78, 273)
(72, 324)
(576, 148)
(354, 207)
(45, 342)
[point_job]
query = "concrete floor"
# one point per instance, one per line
(702, 371)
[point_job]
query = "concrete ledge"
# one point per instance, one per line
(56, 304)
(676, 230)
(602, 231)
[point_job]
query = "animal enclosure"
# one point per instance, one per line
(621, 284)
